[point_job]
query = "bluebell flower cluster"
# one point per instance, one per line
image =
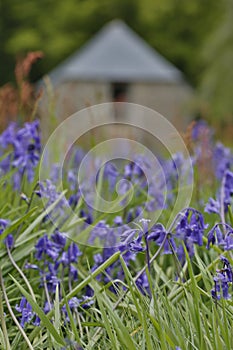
(25, 146)
(56, 258)
(189, 230)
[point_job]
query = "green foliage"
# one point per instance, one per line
(178, 29)
(217, 81)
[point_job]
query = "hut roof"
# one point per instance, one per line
(116, 53)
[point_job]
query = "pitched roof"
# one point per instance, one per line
(116, 53)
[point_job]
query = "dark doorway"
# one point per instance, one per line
(119, 93)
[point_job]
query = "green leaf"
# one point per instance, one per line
(16, 223)
(41, 216)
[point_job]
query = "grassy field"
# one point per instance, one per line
(118, 279)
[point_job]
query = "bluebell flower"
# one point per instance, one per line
(199, 130)
(36, 322)
(143, 284)
(216, 236)
(190, 229)
(26, 152)
(78, 157)
(223, 280)
(59, 239)
(222, 160)
(74, 303)
(9, 240)
(3, 224)
(72, 179)
(48, 191)
(228, 188)
(212, 206)
(224, 195)
(103, 233)
(133, 213)
(73, 200)
(87, 215)
(8, 135)
(55, 170)
(26, 311)
(111, 174)
(73, 253)
(52, 281)
(45, 248)
(157, 234)
(118, 220)
(131, 240)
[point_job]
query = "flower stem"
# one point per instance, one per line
(3, 323)
(222, 194)
(21, 273)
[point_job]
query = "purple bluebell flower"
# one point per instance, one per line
(47, 307)
(9, 240)
(133, 213)
(228, 188)
(54, 174)
(111, 174)
(25, 309)
(28, 266)
(73, 200)
(47, 191)
(26, 147)
(45, 248)
(200, 129)
(72, 179)
(36, 322)
(87, 215)
(143, 284)
(222, 160)
(213, 206)
(59, 239)
(102, 232)
(74, 303)
(73, 253)
(51, 278)
(8, 135)
(3, 224)
(223, 280)
(118, 220)
(223, 239)
(131, 240)
(78, 157)
(158, 234)
(190, 230)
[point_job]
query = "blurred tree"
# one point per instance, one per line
(179, 29)
(216, 87)
(176, 28)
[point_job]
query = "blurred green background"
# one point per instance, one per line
(195, 35)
